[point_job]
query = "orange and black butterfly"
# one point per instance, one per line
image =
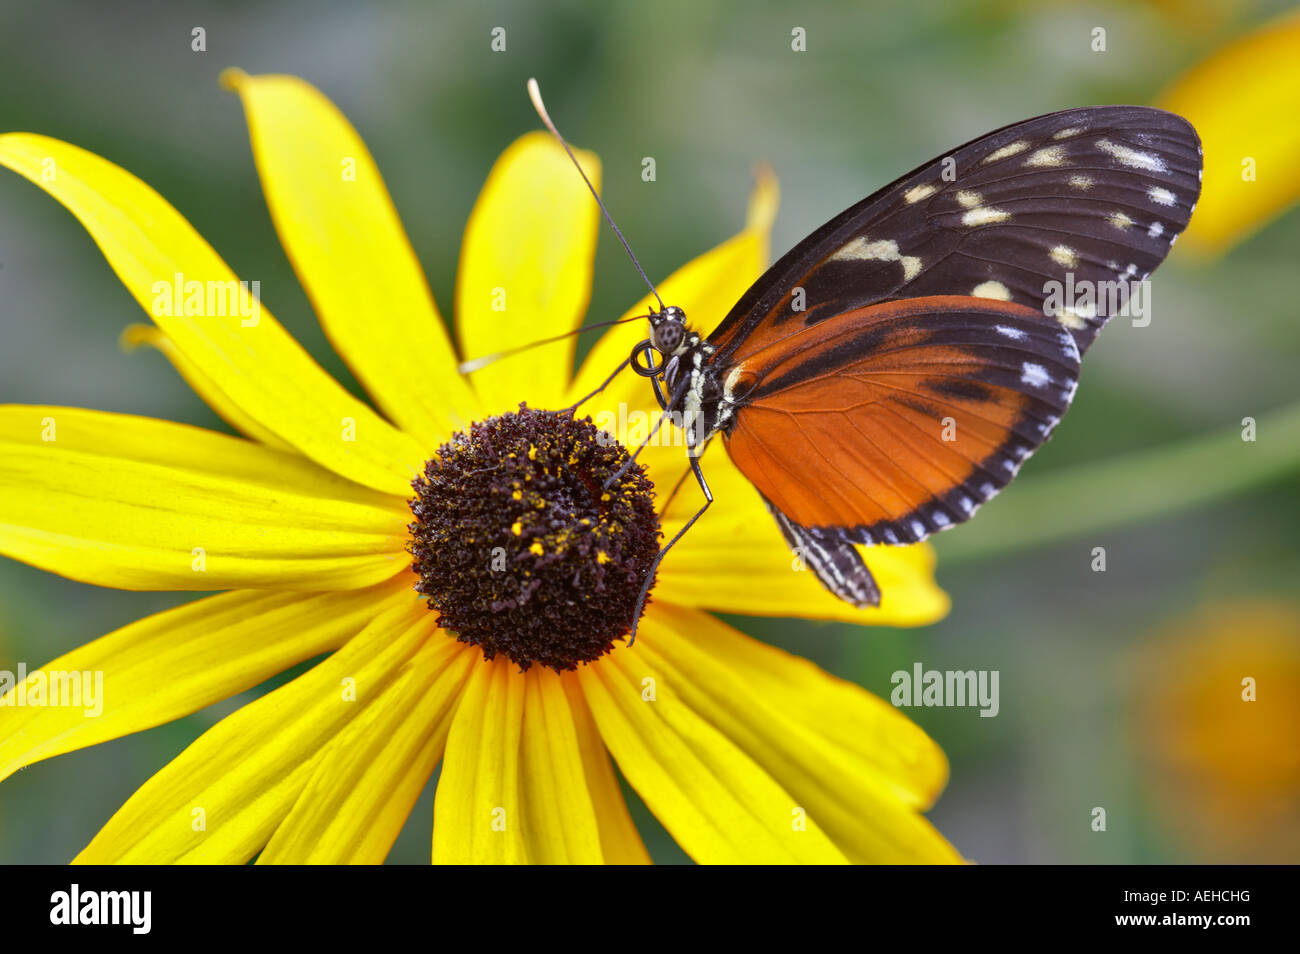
(893, 371)
(895, 368)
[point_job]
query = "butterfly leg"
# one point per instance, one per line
(609, 380)
(650, 575)
(659, 423)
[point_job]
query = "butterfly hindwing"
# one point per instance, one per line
(891, 422)
(1083, 196)
(832, 558)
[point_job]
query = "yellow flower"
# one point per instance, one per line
(743, 752)
(1215, 703)
(1242, 101)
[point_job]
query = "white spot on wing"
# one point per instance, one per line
(1068, 347)
(1081, 182)
(1156, 230)
(1067, 133)
(969, 199)
(1132, 158)
(984, 216)
(1050, 156)
(1160, 196)
(1034, 375)
(1015, 334)
(1065, 256)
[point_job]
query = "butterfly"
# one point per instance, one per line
(894, 370)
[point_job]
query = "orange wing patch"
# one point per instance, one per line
(898, 420)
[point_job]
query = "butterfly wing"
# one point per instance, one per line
(834, 560)
(1083, 196)
(891, 422)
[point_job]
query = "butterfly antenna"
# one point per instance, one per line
(474, 364)
(535, 94)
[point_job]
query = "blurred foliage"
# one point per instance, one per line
(708, 89)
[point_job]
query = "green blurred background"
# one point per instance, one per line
(1112, 684)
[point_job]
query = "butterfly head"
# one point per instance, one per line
(668, 330)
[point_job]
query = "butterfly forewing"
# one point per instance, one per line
(888, 423)
(1039, 213)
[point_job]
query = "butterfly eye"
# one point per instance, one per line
(667, 334)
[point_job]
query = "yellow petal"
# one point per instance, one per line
(338, 225)
(364, 785)
(478, 816)
(735, 560)
(525, 271)
(857, 766)
(133, 336)
(252, 359)
(176, 662)
(719, 805)
(219, 801)
(559, 822)
(136, 503)
(706, 288)
(620, 842)
(1242, 101)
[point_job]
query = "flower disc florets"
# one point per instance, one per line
(520, 547)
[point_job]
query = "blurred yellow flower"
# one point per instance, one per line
(1217, 714)
(743, 752)
(1244, 101)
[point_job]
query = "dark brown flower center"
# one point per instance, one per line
(521, 549)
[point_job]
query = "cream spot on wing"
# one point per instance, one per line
(1067, 133)
(1007, 151)
(1081, 182)
(1160, 196)
(1076, 317)
(969, 199)
(1132, 158)
(984, 216)
(995, 290)
(882, 250)
(1120, 220)
(917, 193)
(1064, 256)
(1051, 156)
(729, 386)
